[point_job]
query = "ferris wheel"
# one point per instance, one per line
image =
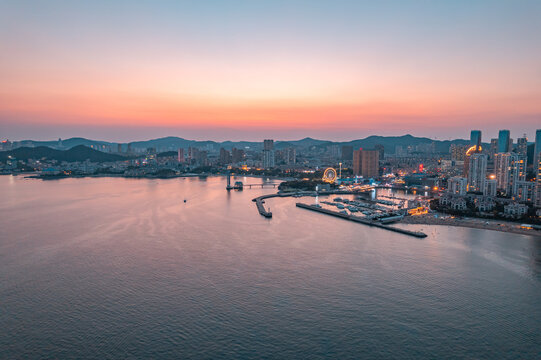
(329, 175)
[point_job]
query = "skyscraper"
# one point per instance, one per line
(366, 163)
(268, 144)
(537, 149)
(475, 139)
(522, 146)
(504, 139)
(180, 155)
(225, 157)
(477, 172)
(537, 168)
(510, 170)
(290, 156)
(457, 185)
(237, 155)
(268, 154)
(381, 150)
(493, 148)
(357, 162)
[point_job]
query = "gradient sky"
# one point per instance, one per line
(126, 70)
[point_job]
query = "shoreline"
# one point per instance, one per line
(473, 223)
(184, 175)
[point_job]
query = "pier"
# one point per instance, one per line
(362, 221)
(259, 203)
(259, 200)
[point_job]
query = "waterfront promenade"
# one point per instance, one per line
(474, 223)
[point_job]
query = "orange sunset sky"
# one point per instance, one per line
(249, 70)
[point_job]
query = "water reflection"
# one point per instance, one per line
(117, 268)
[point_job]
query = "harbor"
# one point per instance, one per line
(360, 220)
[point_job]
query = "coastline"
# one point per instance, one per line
(483, 224)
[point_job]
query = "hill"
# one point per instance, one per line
(76, 153)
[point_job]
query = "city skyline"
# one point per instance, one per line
(269, 69)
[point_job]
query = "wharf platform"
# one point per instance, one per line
(362, 221)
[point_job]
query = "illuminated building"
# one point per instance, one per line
(268, 154)
(522, 146)
(537, 149)
(510, 169)
(457, 185)
(477, 172)
(537, 167)
(366, 163)
(490, 187)
(525, 191)
(475, 139)
(472, 150)
(458, 152)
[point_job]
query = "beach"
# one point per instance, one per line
(476, 223)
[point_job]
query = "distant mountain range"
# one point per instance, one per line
(173, 143)
(76, 153)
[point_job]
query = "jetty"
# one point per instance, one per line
(360, 220)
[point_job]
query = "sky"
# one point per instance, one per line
(248, 70)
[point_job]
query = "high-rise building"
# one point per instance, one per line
(510, 170)
(225, 157)
(268, 159)
(493, 148)
(477, 172)
(381, 150)
(268, 154)
(490, 188)
(268, 144)
(537, 167)
(357, 162)
(525, 191)
(180, 155)
(237, 155)
(366, 163)
(537, 149)
(290, 156)
(504, 139)
(347, 152)
(522, 146)
(458, 152)
(457, 185)
(475, 139)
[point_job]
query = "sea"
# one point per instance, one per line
(117, 268)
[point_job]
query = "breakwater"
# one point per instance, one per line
(362, 221)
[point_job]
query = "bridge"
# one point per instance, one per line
(274, 185)
(239, 185)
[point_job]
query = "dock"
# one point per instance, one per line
(259, 201)
(362, 221)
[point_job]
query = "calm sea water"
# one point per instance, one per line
(123, 268)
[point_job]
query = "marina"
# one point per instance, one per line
(359, 220)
